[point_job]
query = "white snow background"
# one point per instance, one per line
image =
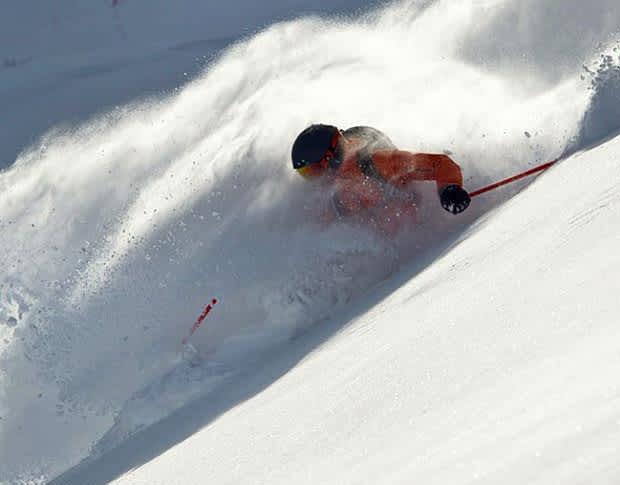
(480, 347)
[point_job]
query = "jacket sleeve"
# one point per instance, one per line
(401, 168)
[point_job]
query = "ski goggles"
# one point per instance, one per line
(317, 169)
(314, 170)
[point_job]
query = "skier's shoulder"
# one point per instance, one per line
(370, 137)
(364, 132)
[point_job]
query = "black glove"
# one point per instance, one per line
(454, 199)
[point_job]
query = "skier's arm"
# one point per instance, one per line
(401, 168)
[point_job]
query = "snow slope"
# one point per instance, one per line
(118, 230)
(65, 61)
(497, 364)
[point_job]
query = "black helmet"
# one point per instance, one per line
(313, 144)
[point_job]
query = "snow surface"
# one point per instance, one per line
(480, 348)
(497, 364)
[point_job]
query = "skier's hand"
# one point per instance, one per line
(454, 199)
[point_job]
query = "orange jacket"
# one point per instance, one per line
(375, 175)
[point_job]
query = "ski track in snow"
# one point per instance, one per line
(116, 232)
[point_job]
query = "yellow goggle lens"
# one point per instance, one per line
(313, 170)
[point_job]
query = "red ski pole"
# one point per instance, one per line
(197, 323)
(540, 168)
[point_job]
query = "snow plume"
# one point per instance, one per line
(115, 233)
(602, 118)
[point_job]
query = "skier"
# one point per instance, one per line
(369, 178)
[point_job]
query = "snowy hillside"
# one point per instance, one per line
(478, 347)
(498, 364)
(62, 62)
